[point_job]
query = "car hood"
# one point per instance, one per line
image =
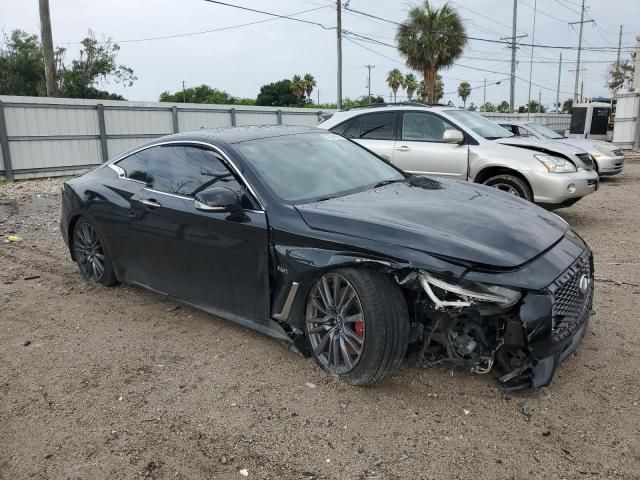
(536, 144)
(447, 218)
(588, 145)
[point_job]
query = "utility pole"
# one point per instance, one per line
(581, 22)
(484, 96)
(184, 93)
(318, 91)
(636, 86)
(558, 87)
(369, 67)
(581, 90)
(539, 101)
(47, 47)
(513, 38)
(512, 91)
(339, 40)
(619, 47)
(533, 41)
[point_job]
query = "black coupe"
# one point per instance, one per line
(313, 239)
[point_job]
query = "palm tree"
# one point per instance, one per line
(464, 90)
(297, 86)
(438, 92)
(431, 39)
(395, 79)
(410, 84)
(309, 83)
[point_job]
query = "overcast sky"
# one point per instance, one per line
(240, 60)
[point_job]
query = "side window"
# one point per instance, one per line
(512, 128)
(342, 128)
(523, 132)
(424, 127)
(354, 129)
(185, 170)
(377, 126)
(135, 166)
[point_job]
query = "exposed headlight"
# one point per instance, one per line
(556, 164)
(451, 293)
(602, 151)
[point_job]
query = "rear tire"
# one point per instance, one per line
(370, 336)
(511, 184)
(91, 254)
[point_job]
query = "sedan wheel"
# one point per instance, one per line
(357, 324)
(89, 252)
(512, 185)
(335, 323)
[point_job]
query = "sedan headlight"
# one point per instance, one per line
(445, 292)
(556, 164)
(602, 151)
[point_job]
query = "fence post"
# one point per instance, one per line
(4, 145)
(174, 118)
(279, 112)
(103, 133)
(233, 117)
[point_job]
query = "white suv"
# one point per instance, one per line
(457, 143)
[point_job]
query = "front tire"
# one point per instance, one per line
(91, 255)
(511, 184)
(357, 324)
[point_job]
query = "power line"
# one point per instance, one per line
(201, 32)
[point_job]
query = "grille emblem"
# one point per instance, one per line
(584, 283)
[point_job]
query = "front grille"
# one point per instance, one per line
(571, 305)
(617, 153)
(591, 182)
(586, 159)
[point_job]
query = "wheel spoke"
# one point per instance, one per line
(350, 334)
(320, 328)
(323, 344)
(319, 320)
(353, 318)
(348, 339)
(344, 304)
(335, 350)
(325, 292)
(345, 353)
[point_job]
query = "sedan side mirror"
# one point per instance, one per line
(452, 136)
(218, 199)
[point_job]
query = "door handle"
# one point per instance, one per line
(150, 203)
(403, 148)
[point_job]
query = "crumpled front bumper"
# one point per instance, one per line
(547, 344)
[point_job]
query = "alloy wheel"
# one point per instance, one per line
(507, 188)
(335, 323)
(89, 252)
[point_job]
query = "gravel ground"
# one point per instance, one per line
(121, 383)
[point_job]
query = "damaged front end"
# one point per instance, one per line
(521, 334)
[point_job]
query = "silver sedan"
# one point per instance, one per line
(608, 158)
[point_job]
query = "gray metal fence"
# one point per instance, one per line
(42, 137)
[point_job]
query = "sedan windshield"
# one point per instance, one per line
(480, 125)
(312, 167)
(544, 131)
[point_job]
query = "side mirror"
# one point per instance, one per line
(218, 199)
(452, 136)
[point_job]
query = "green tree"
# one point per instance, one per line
(503, 107)
(472, 107)
(395, 80)
(438, 92)
(21, 65)
(410, 84)
(489, 107)
(431, 39)
(297, 86)
(97, 64)
(278, 94)
(309, 83)
(464, 90)
(567, 106)
(202, 94)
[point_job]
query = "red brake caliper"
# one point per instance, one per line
(358, 327)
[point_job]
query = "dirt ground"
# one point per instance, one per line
(122, 383)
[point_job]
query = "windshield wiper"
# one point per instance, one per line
(387, 182)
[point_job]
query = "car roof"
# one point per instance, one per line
(231, 135)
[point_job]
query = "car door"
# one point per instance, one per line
(420, 148)
(214, 260)
(375, 131)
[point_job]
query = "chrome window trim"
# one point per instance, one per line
(190, 199)
(224, 157)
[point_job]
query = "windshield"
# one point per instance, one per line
(311, 167)
(544, 131)
(483, 127)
